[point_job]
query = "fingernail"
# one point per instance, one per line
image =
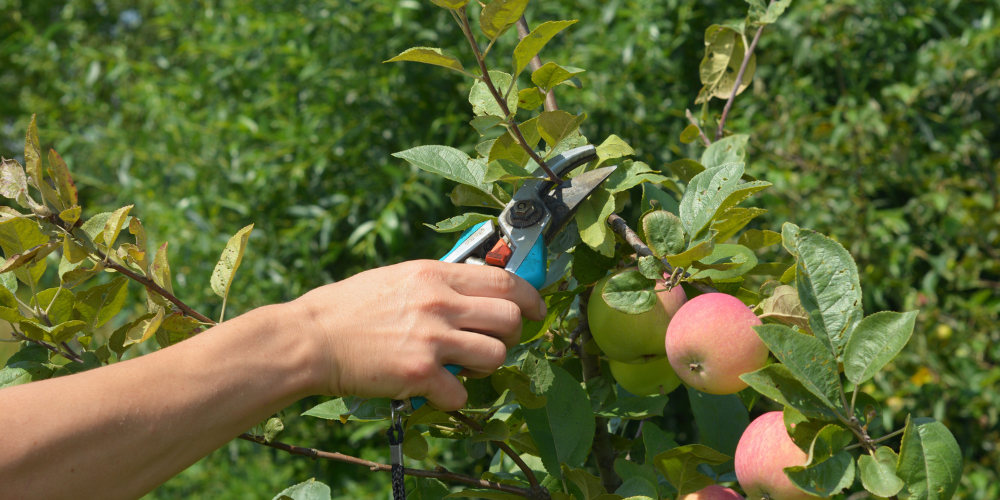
(543, 309)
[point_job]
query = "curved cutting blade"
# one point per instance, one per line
(563, 201)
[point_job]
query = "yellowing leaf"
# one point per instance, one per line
(64, 182)
(71, 215)
(554, 126)
(430, 55)
(114, 224)
(33, 155)
(530, 98)
(143, 328)
(450, 4)
(232, 256)
(20, 235)
(499, 15)
(160, 269)
(552, 74)
(13, 182)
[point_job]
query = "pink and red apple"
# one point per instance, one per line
(714, 492)
(711, 342)
(632, 338)
(765, 449)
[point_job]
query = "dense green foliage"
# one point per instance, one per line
(875, 121)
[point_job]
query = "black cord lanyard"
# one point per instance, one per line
(395, 435)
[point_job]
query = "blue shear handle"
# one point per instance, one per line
(418, 401)
(532, 270)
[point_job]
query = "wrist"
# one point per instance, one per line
(294, 336)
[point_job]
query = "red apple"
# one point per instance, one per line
(714, 492)
(764, 450)
(632, 338)
(646, 379)
(711, 342)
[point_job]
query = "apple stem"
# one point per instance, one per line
(695, 367)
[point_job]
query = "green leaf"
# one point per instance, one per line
(755, 239)
(696, 252)
(552, 74)
(590, 266)
(100, 303)
(637, 487)
(530, 45)
(686, 169)
(175, 328)
(826, 478)
(9, 281)
(430, 55)
(734, 219)
(414, 445)
(630, 292)
(490, 495)
(506, 170)
(778, 383)
(428, 488)
(272, 428)
(18, 236)
(875, 341)
(563, 429)
(680, 464)
(309, 490)
(806, 359)
(494, 430)
(588, 484)
(656, 441)
(878, 473)
(530, 99)
(828, 285)
(485, 122)
(482, 100)
(33, 154)
(591, 220)
(499, 15)
(664, 233)
(829, 441)
(23, 372)
(630, 174)
(635, 408)
(341, 409)
(726, 150)
(801, 429)
(930, 460)
(762, 12)
(143, 328)
(690, 134)
(447, 162)
(663, 201)
(229, 262)
(712, 193)
(34, 254)
(721, 421)
(468, 196)
(554, 126)
(652, 267)
(737, 259)
(612, 147)
(557, 303)
(628, 469)
(506, 147)
(514, 380)
(55, 334)
(460, 222)
(114, 224)
(58, 302)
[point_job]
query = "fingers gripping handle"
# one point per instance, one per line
(532, 270)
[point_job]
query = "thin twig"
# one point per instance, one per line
(535, 63)
(739, 79)
(467, 30)
(877, 441)
(503, 446)
(690, 117)
(378, 467)
(71, 355)
(619, 226)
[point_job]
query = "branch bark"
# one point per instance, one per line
(604, 453)
(467, 30)
(535, 63)
(690, 117)
(500, 444)
(379, 467)
(619, 226)
(739, 79)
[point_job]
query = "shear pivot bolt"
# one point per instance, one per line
(524, 213)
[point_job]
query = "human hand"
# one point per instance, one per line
(388, 332)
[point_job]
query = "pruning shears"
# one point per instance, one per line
(536, 213)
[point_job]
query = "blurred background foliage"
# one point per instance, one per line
(876, 120)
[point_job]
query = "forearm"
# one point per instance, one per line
(135, 424)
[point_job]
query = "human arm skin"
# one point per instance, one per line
(119, 431)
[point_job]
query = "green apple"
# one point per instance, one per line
(711, 342)
(645, 379)
(713, 492)
(632, 338)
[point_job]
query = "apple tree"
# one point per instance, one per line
(756, 319)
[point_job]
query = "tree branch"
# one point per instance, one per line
(690, 117)
(71, 355)
(619, 226)
(467, 29)
(503, 446)
(378, 467)
(535, 63)
(604, 453)
(739, 79)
